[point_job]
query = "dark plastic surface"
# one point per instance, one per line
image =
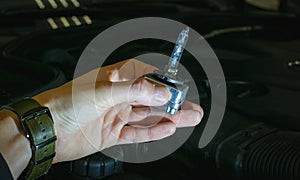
(261, 84)
(21, 78)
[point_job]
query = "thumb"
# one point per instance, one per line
(139, 92)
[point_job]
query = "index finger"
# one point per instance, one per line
(124, 71)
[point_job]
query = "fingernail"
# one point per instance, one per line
(161, 94)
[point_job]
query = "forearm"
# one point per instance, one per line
(14, 146)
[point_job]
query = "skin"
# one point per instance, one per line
(124, 115)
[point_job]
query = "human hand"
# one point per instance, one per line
(111, 106)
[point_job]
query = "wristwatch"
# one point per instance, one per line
(37, 124)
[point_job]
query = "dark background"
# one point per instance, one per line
(258, 48)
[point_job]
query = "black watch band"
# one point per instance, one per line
(38, 126)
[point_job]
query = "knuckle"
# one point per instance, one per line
(141, 112)
(142, 86)
(149, 134)
(133, 136)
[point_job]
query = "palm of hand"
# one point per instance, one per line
(95, 114)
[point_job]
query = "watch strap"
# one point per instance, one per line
(38, 128)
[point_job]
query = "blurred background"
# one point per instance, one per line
(257, 43)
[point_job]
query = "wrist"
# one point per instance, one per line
(15, 147)
(37, 124)
(44, 100)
